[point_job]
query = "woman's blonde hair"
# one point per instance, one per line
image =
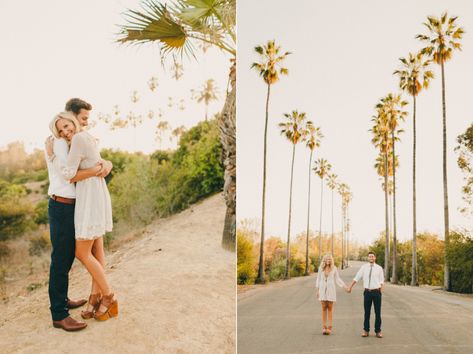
(63, 115)
(324, 264)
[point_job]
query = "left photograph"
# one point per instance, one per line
(118, 177)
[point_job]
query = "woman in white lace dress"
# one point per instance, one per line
(93, 210)
(327, 277)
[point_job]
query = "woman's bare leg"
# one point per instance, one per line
(330, 313)
(324, 313)
(94, 267)
(99, 254)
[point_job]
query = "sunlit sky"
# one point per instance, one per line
(344, 54)
(54, 50)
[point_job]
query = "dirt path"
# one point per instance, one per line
(176, 293)
(285, 317)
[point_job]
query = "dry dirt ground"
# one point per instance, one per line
(175, 287)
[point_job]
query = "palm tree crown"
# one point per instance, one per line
(443, 37)
(270, 67)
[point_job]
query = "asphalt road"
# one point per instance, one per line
(285, 317)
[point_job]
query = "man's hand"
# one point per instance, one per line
(348, 289)
(106, 168)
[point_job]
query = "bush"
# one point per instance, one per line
(39, 244)
(460, 258)
(41, 213)
(246, 272)
(15, 210)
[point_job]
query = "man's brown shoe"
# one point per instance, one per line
(365, 334)
(69, 324)
(379, 335)
(71, 304)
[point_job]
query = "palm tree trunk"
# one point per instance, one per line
(446, 279)
(288, 250)
(333, 236)
(414, 226)
(227, 129)
(394, 273)
(320, 222)
(308, 218)
(260, 279)
(343, 233)
(386, 248)
(348, 234)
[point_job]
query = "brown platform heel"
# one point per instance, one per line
(324, 330)
(94, 301)
(329, 330)
(111, 306)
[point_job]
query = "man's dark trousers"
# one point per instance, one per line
(62, 233)
(372, 297)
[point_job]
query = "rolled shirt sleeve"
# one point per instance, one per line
(359, 274)
(381, 275)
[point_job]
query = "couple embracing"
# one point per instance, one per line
(373, 281)
(80, 213)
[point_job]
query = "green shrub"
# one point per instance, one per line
(460, 258)
(246, 272)
(15, 210)
(39, 244)
(41, 213)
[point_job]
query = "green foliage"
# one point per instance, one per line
(39, 244)
(15, 210)
(119, 159)
(246, 272)
(41, 213)
(460, 257)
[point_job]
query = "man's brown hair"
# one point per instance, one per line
(76, 104)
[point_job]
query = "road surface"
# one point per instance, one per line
(285, 317)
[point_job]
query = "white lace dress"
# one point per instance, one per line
(93, 211)
(326, 284)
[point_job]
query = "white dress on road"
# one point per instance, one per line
(326, 284)
(93, 211)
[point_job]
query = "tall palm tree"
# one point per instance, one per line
(414, 75)
(207, 94)
(442, 39)
(391, 109)
(313, 136)
(347, 199)
(269, 69)
(342, 190)
(322, 168)
(381, 141)
(175, 25)
(332, 184)
(293, 129)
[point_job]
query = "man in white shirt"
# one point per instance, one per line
(61, 221)
(373, 281)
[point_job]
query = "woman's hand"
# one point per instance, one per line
(48, 145)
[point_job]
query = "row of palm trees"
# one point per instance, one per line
(414, 75)
(297, 129)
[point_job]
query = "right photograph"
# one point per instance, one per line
(355, 176)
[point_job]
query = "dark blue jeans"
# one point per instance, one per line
(372, 297)
(62, 233)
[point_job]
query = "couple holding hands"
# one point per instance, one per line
(373, 281)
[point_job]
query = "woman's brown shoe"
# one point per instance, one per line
(93, 304)
(324, 330)
(109, 306)
(329, 330)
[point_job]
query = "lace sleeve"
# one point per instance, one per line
(339, 280)
(76, 154)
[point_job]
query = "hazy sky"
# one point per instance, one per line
(344, 54)
(54, 50)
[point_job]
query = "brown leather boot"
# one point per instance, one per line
(71, 304)
(110, 306)
(69, 324)
(93, 303)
